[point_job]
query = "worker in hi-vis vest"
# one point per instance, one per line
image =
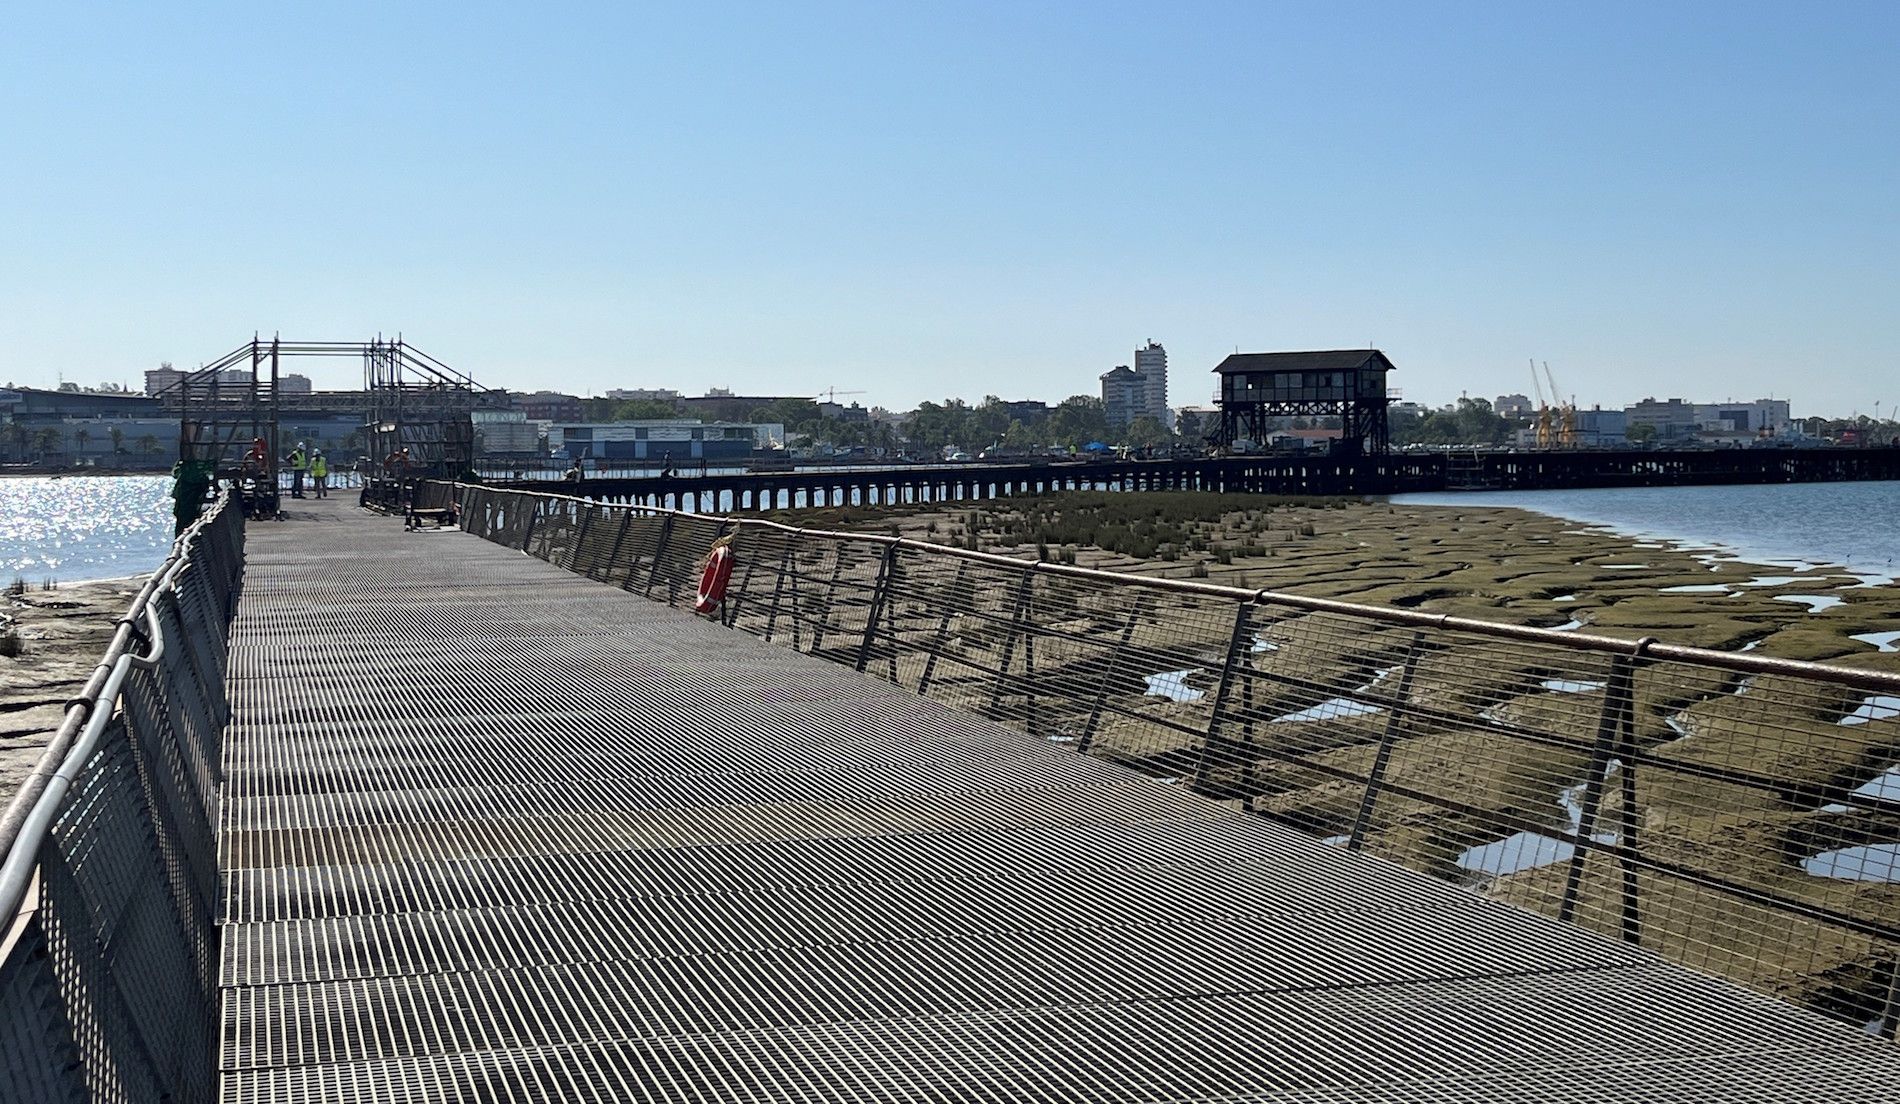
(296, 462)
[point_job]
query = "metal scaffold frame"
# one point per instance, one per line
(417, 403)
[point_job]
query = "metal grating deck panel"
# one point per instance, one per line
(496, 831)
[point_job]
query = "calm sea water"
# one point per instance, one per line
(1853, 525)
(83, 527)
(98, 528)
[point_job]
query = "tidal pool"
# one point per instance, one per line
(1870, 862)
(1815, 602)
(1173, 686)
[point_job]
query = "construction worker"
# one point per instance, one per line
(319, 471)
(297, 466)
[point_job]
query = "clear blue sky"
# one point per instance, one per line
(1669, 199)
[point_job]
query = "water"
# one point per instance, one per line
(1521, 851)
(1816, 603)
(1884, 786)
(84, 527)
(1173, 686)
(1329, 710)
(1870, 862)
(1879, 707)
(1796, 524)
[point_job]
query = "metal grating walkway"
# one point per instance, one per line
(493, 831)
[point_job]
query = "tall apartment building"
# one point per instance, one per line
(1130, 393)
(1151, 363)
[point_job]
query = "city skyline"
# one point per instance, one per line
(976, 200)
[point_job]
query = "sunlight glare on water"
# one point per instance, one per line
(83, 527)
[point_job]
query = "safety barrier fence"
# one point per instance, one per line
(1734, 813)
(108, 954)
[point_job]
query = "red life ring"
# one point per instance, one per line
(712, 581)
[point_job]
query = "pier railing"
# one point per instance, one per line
(1734, 813)
(109, 882)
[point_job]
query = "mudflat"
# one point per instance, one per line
(61, 635)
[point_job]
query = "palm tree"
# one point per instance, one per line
(118, 439)
(50, 439)
(81, 436)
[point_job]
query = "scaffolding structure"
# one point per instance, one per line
(416, 402)
(421, 410)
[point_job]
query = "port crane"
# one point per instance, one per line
(1556, 419)
(830, 395)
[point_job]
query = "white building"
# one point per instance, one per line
(1761, 418)
(669, 439)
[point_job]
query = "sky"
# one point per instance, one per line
(914, 201)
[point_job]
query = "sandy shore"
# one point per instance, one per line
(63, 632)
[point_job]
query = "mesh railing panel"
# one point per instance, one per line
(1736, 815)
(108, 978)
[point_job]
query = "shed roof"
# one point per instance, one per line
(1324, 360)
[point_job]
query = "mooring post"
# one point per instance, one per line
(1375, 779)
(1616, 696)
(878, 590)
(1242, 613)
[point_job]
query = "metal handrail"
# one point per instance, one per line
(30, 813)
(1737, 662)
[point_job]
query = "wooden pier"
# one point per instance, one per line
(495, 831)
(1396, 473)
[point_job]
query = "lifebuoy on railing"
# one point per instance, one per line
(713, 580)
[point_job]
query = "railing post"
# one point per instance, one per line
(1109, 672)
(527, 531)
(1632, 903)
(1375, 779)
(1009, 642)
(943, 627)
(728, 610)
(1242, 614)
(878, 593)
(1609, 726)
(620, 538)
(831, 594)
(580, 536)
(659, 553)
(778, 588)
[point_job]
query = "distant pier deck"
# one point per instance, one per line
(1395, 473)
(494, 830)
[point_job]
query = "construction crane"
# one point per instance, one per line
(1544, 431)
(1563, 415)
(830, 395)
